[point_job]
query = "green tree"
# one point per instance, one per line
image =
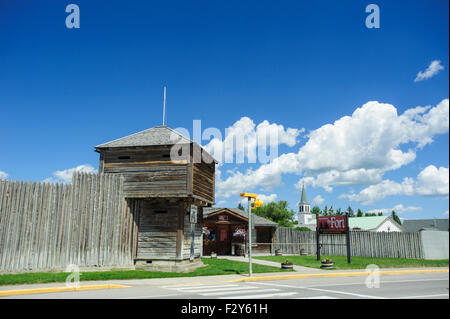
(302, 229)
(339, 211)
(380, 214)
(325, 211)
(359, 213)
(331, 210)
(241, 207)
(395, 217)
(350, 212)
(277, 212)
(315, 210)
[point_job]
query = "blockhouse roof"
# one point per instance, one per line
(158, 135)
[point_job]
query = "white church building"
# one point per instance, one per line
(305, 217)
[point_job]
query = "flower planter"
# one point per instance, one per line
(287, 266)
(213, 255)
(327, 265)
(278, 253)
(240, 249)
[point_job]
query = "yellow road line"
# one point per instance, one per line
(57, 289)
(341, 274)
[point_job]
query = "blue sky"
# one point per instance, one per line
(299, 64)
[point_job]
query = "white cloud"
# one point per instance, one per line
(267, 176)
(3, 175)
(433, 69)
(358, 150)
(446, 213)
(265, 198)
(244, 139)
(318, 200)
(65, 176)
(347, 178)
(431, 181)
(376, 192)
(420, 126)
(220, 203)
(397, 208)
(369, 139)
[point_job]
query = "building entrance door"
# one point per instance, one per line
(223, 240)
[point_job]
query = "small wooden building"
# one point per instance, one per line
(167, 178)
(220, 225)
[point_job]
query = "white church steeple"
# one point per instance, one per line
(303, 206)
(304, 214)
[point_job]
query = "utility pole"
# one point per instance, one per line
(258, 203)
(250, 235)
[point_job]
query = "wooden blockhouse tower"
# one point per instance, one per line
(167, 178)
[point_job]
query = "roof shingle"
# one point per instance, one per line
(158, 135)
(259, 221)
(414, 225)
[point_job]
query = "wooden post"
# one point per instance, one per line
(250, 236)
(180, 232)
(347, 234)
(193, 221)
(317, 237)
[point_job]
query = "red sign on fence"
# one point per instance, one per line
(332, 224)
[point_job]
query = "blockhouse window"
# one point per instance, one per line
(124, 157)
(160, 211)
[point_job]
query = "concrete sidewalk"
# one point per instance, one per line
(304, 270)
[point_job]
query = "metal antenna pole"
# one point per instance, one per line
(164, 106)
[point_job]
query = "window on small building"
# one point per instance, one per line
(209, 234)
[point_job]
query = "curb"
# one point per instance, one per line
(341, 274)
(57, 289)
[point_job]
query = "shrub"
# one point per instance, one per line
(302, 229)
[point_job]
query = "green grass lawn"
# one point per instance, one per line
(213, 267)
(340, 262)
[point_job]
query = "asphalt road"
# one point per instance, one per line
(405, 286)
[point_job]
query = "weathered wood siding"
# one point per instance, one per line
(49, 226)
(203, 180)
(157, 231)
(363, 243)
(198, 237)
(148, 171)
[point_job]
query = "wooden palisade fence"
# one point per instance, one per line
(363, 243)
(47, 226)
